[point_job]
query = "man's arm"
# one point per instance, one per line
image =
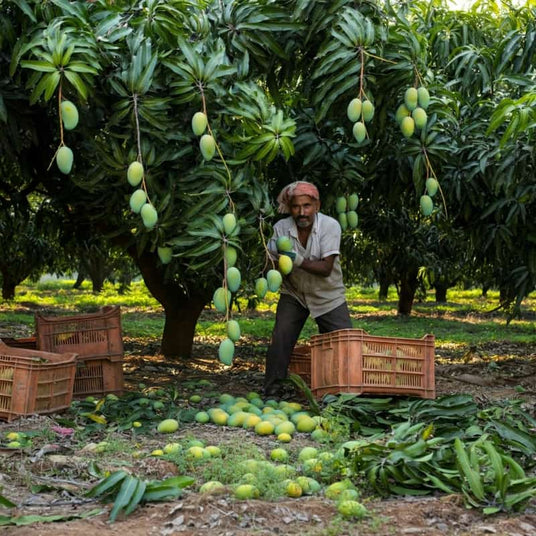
(321, 267)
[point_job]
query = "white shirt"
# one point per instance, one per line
(317, 293)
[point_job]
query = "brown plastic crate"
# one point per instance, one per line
(29, 343)
(352, 361)
(300, 363)
(97, 339)
(33, 382)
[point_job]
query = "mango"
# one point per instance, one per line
(221, 300)
(137, 200)
(423, 97)
(431, 186)
(401, 112)
(230, 255)
(354, 110)
(234, 278)
(261, 287)
(199, 123)
(283, 243)
(226, 351)
(343, 221)
(233, 330)
(135, 173)
(411, 98)
(407, 126)
(340, 204)
(64, 159)
(207, 146)
(229, 223)
(352, 219)
(427, 205)
(367, 111)
(285, 264)
(165, 254)
(149, 215)
(420, 117)
(353, 201)
(359, 131)
(274, 280)
(69, 115)
(168, 426)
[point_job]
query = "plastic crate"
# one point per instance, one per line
(33, 382)
(28, 342)
(352, 361)
(300, 363)
(97, 339)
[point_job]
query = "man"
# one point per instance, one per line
(314, 286)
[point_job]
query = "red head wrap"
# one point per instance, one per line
(293, 189)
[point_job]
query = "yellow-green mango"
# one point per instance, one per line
(423, 97)
(340, 204)
(165, 254)
(411, 98)
(233, 330)
(137, 200)
(352, 218)
(64, 159)
(431, 186)
(283, 243)
(427, 205)
(274, 280)
(343, 221)
(199, 123)
(261, 287)
(285, 264)
(420, 117)
(229, 223)
(359, 131)
(135, 173)
(207, 146)
(226, 351)
(69, 114)
(401, 112)
(221, 299)
(407, 126)
(367, 111)
(234, 278)
(230, 255)
(354, 110)
(149, 215)
(353, 201)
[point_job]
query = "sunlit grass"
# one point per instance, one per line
(466, 318)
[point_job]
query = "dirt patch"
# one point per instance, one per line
(489, 373)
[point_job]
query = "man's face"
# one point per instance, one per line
(303, 209)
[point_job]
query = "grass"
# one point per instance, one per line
(466, 319)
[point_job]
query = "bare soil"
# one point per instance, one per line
(491, 372)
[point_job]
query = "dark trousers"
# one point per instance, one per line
(290, 318)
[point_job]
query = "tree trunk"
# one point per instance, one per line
(441, 292)
(383, 291)
(8, 288)
(182, 307)
(408, 286)
(79, 279)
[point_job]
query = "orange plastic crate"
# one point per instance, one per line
(352, 361)
(300, 363)
(97, 339)
(33, 382)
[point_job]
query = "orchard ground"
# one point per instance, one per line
(50, 483)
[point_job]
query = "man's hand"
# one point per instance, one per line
(297, 259)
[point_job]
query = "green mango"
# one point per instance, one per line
(340, 204)
(261, 287)
(343, 221)
(69, 115)
(411, 98)
(423, 97)
(420, 117)
(199, 123)
(354, 110)
(353, 201)
(64, 159)
(274, 280)
(135, 173)
(234, 278)
(427, 205)
(165, 254)
(229, 223)
(431, 186)
(401, 112)
(233, 330)
(407, 126)
(352, 219)
(283, 243)
(367, 111)
(226, 351)
(137, 200)
(222, 300)
(207, 145)
(359, 131)
(149, 215)
(230, 255)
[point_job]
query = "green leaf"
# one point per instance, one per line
(42, 66)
